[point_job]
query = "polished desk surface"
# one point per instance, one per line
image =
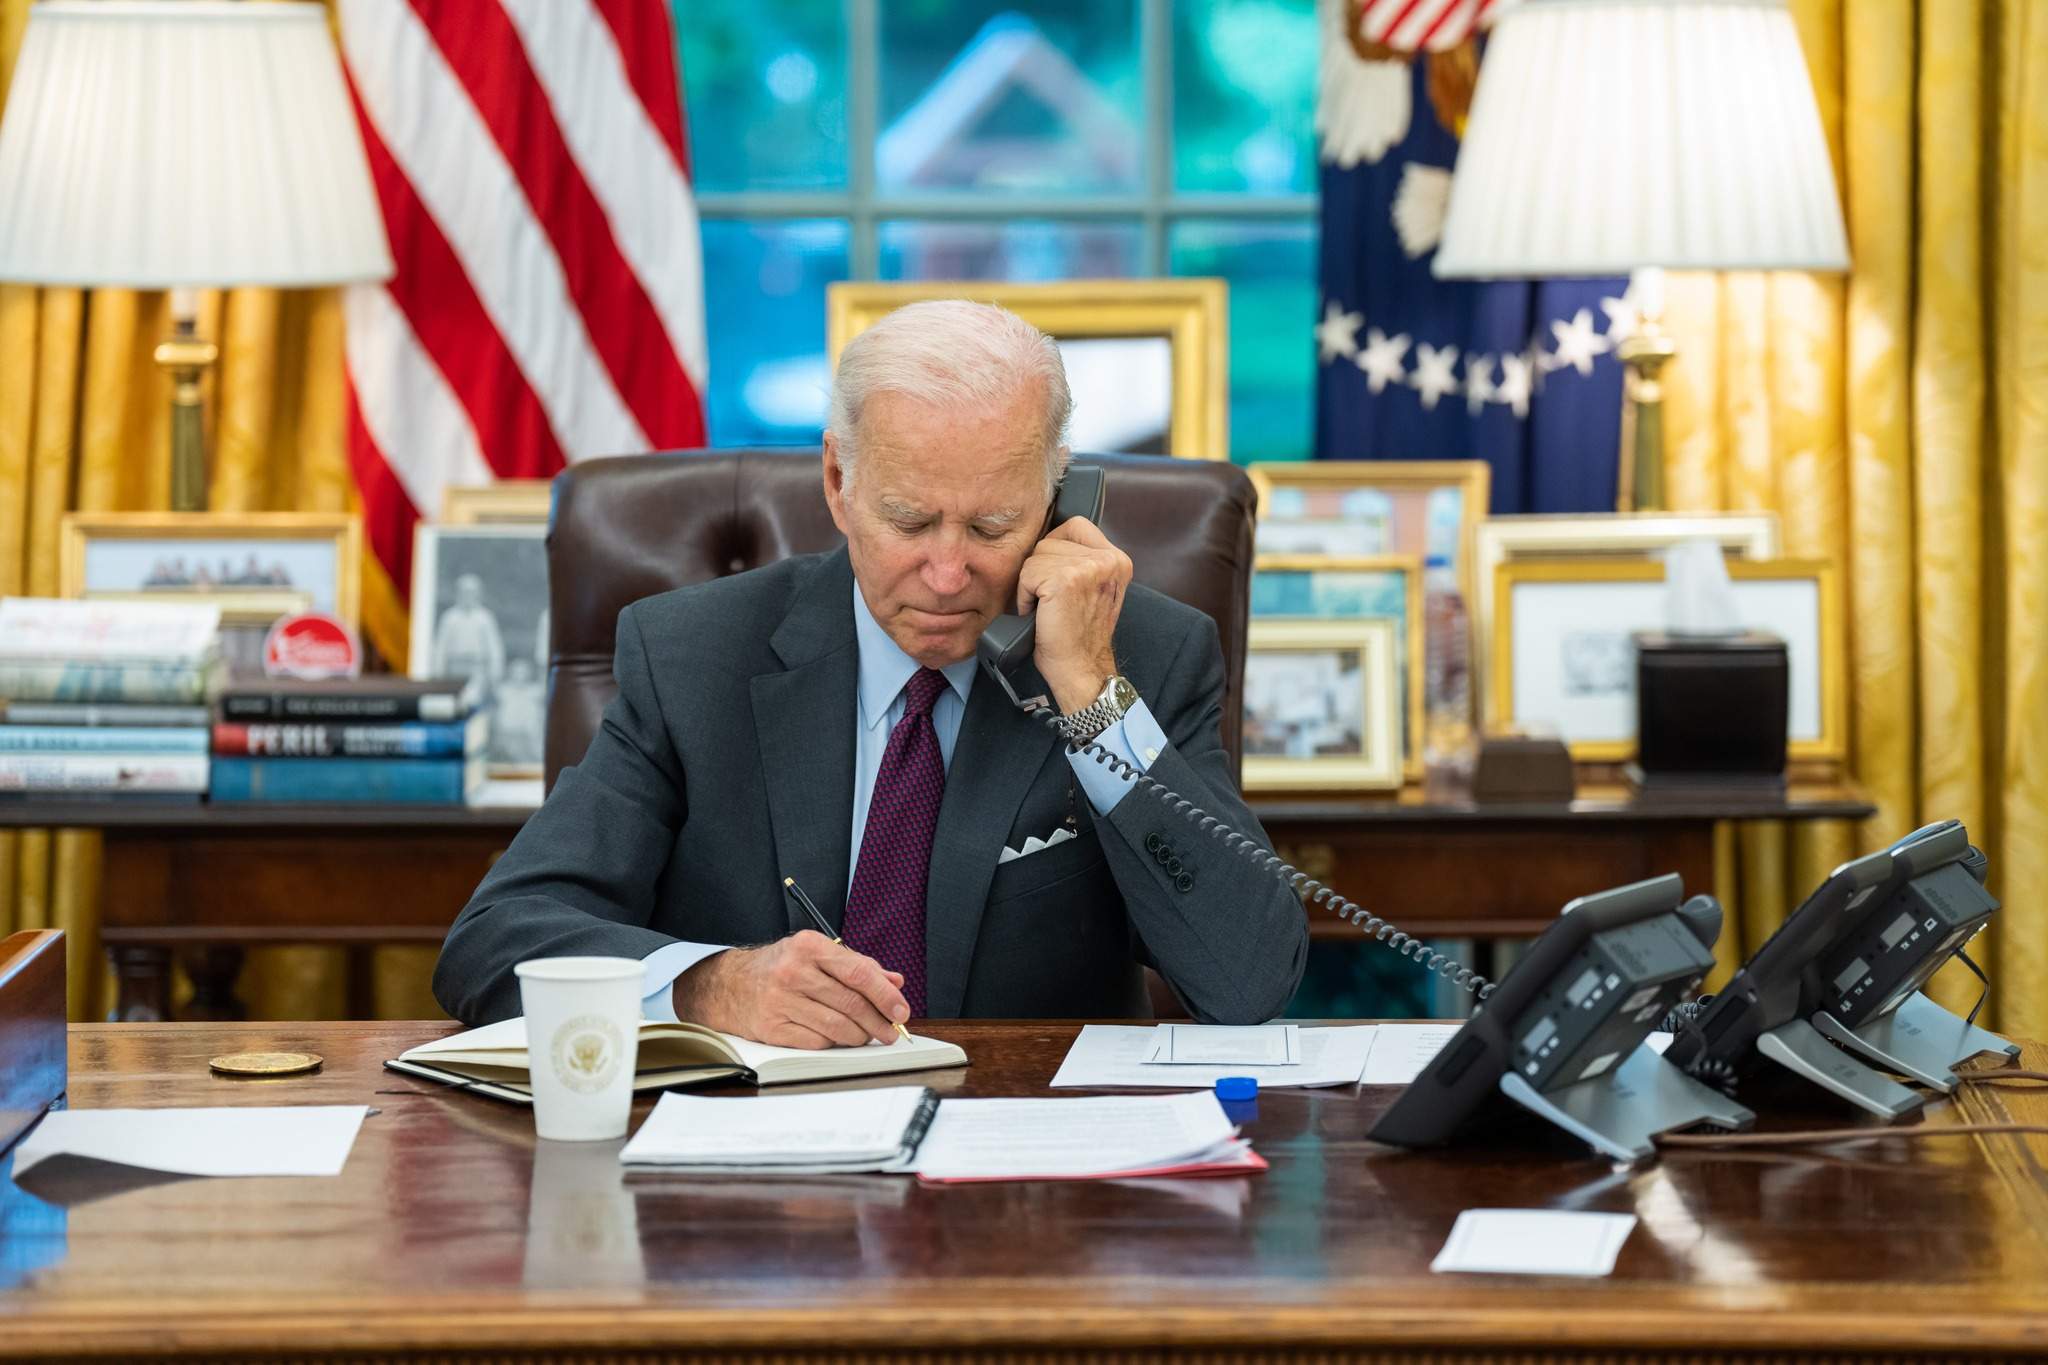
(453, 1228)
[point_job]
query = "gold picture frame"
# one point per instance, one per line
(1600, 535)
(1377, 764)
(1407, 531)
(1409, 647)
(508, 501)
(1191, 315)
(80, 535)
(1824, 648)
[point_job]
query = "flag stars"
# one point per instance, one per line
(1433, 377)
(1337, 333)
(1622, 319)
(1577, 343)
(1479, 389)
(1518, 373)
(1382, 359)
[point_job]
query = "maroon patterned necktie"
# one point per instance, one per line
(885, 908)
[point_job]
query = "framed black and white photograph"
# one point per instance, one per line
(1564, 649)
(1321, 708)
(480, 610)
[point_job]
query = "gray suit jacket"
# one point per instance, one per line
(726, 762)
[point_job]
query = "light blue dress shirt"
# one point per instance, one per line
(878, 705)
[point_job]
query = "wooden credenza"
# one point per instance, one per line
(453, 1235)
(214, 880)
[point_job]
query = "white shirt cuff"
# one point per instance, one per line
(663, 966)
(1136, 739)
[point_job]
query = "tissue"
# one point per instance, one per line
(1698, 598)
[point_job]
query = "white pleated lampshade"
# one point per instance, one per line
(163, 143)
(1608, 135)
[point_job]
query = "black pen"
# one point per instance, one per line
(824, 926)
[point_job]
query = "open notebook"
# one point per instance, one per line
(492, 1060)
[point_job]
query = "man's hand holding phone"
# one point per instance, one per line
(1074, 584)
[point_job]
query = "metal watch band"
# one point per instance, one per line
(1097, 716)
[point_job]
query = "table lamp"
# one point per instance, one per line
(1617, 136)
(181, 144)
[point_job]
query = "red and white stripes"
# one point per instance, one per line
(548, 301)
(1424, 25)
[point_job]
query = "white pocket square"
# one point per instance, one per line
(1034, 844)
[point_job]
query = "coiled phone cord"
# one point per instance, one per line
(1410, 947)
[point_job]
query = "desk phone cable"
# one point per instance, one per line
(1316, 893)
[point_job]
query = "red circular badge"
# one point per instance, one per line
(312, 645)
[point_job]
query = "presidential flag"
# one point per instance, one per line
(1410, 367)
(530, 160)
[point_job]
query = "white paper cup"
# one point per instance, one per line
(582, 1038)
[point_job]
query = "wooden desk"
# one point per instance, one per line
(218, 879)
(452, 1231)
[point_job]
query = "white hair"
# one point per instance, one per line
(951, 354)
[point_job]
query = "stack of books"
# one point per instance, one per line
(106, 700)
(370, 740)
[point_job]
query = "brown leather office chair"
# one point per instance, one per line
(627, 528)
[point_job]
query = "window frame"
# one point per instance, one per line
(1156, 206)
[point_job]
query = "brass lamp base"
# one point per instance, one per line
(1641, 485)
(186, 357)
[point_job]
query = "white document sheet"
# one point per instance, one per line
(828, 1128)
(1225, 1045)
(1402, 1050)
(307, 1139)
(1112, 1057)
(1534, 1242)
(1022, 1139)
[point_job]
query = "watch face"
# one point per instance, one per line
(1122, 693)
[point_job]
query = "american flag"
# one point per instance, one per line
(548, 303)
(1423, 25)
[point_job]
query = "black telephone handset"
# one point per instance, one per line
(1009, 640)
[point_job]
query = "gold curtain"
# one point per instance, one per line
(1897, 420)
(84, 425)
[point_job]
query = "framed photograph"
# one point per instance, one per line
(1564, 658)
(1148, 361)
(480, 609)
(256, 566)
(1400, 507)
(507, 500)
(1370, 588)
(1622, 535)
(1319, 706)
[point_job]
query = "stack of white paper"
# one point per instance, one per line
(1081, 1139)
(309, 1139)
(1224, 1045)
(1534, 1242)
(1114, 1056)
(833, 1131)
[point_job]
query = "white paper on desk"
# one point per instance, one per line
(300, 1139)
(831, 1128)
(1112, 1057)
(1225, 1045)
(1021, 1139)
(1401, 1050)
(1534, 1242)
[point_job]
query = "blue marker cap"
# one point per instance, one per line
(1237, 1088)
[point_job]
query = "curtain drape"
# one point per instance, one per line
(84, 425)
(1896, 419)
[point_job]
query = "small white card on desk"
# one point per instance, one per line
(1225, 1045)
(1534, 1242)
(302, 1139)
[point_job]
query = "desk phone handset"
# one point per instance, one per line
(1007, 644)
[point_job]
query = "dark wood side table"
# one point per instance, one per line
(211, 881)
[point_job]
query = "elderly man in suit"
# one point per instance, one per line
(821, 718)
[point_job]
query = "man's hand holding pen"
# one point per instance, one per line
(802, 991)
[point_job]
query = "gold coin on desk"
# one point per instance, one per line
(266, 1063)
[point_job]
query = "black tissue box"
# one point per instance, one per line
(1711, 713)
